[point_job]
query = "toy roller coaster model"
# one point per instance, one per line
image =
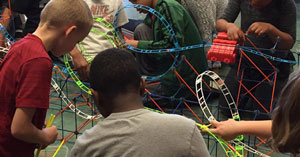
(114, 41)
(69, 103)
(239, 146)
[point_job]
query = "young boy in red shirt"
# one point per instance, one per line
(25, 76)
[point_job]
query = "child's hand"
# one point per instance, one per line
(125, 38)
(234, 32)
(259, 28)
(228, 129)
(80, 63)
(82, 67)
(133, 43)
(50, 135)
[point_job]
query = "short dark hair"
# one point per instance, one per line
(132, 0)
(114, 71)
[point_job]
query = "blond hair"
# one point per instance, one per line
(59, 13)
(286, 119)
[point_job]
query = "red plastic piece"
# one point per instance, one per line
(222, 49)
(222, 35)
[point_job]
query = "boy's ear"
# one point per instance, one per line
(142, 86)
(70, 29)
(95, 96)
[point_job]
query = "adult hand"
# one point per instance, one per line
(228, 129)
(234, 32)
(259, 28)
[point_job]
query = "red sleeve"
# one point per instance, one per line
(33, 87)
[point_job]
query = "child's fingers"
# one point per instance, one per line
(215, 123)
(203, 131)
(241, 37)
(214, 131)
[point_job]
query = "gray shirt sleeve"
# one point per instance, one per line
(75, 151)
(232, 10)
(221, 5)
(288, 19)
(122, 17)
(198, 147)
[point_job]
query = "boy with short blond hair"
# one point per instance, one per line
(25, 76)
(61, 13)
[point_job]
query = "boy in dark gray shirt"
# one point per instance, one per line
(263, 21)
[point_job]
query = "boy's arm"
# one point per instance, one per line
(233, 31)
(23, 129)
(225, 23)
(221, 6)
(230, 129)
(285, 28)
(80, 63)
(286, 41)
(133, 43)
(175, 18)
(34, 79)
(122, 17)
